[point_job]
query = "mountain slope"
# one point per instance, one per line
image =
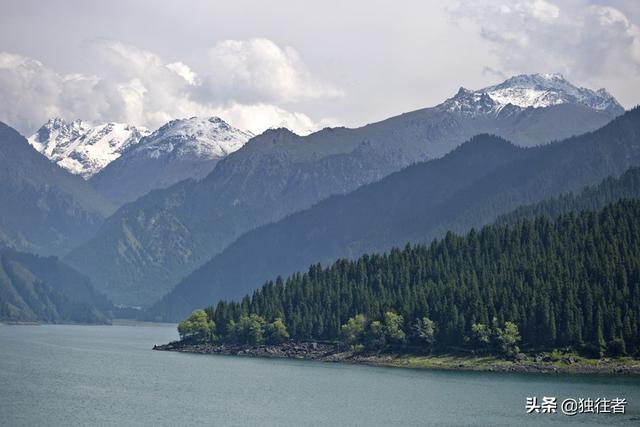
(43, 208)
(627, 186)
(43, 289)
(414, 205)
(149, 245)
(181, 149)
(83, 148)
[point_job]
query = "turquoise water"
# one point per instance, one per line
(108, 375)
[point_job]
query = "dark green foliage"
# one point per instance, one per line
(569, 283)
(248, 330)
(590, 350)
(616, 348)
(254, 330)
(390, 334)
(276, 332)
(627, 186)
(469, 187)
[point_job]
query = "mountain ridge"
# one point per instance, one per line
(153, 242)
(84, 148)
(530, 91)
(180, 149)
(416, 204)
(43, 208)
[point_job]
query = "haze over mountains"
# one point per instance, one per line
(468, 187)
(217, 210)
(143, 250)
(34, 288)
(43, 208)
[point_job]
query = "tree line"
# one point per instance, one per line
(573, 282)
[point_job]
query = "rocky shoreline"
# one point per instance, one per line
(331, 352)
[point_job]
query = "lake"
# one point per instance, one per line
(71, 375)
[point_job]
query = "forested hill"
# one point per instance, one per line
(591, 198)
(34, 288)
(573, 282)
(469, 187)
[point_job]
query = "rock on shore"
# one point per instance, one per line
(305, 350)
(332, 352)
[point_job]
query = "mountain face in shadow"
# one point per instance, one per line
(43, 208)
(181, 149)
(469, 187)
(38, 289)
(144, 249)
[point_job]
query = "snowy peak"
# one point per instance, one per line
(197, 138)
(84, 148)
(471, 103)
(530, 91)
(56, 132)
(179, 150)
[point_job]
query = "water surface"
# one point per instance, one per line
(67, 375)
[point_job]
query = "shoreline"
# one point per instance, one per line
(328, 352)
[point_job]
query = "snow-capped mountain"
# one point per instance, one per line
(198, 138)
(84, 148)
(529, 90)
(181, 149)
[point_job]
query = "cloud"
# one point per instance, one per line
(184, 71)
(259, 70)
(245, 82)
(585, 41)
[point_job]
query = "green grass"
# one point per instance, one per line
(457, 361)
(445, 361)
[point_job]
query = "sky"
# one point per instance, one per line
(297, 64)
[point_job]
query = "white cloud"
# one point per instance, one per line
(590, 43)
(184, 71)
(245, 83)
(258, 117)
(543, 11)
(259, 70)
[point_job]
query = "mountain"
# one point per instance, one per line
(83, 148)
(144, 249)
(43, 208)
(181, 149)
(41, 289)
(524, 91)
(612, 189)
(417, 204)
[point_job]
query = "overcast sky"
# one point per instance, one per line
(265, 63)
